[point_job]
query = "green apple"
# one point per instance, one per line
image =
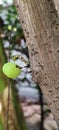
(11, 70)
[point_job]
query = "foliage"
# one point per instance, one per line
(3, 80)
(11, 31)
(1, 125)
(11, 27)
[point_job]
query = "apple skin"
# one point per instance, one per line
(11, 70)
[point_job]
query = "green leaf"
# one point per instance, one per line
(3, 79)
(1, 125)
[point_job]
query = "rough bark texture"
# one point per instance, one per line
(40, 24)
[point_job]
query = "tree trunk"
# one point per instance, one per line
(40, 24)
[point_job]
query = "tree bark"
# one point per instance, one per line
(40, 24)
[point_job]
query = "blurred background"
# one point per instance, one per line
(13, 48)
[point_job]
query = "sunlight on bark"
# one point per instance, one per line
(0, 107)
